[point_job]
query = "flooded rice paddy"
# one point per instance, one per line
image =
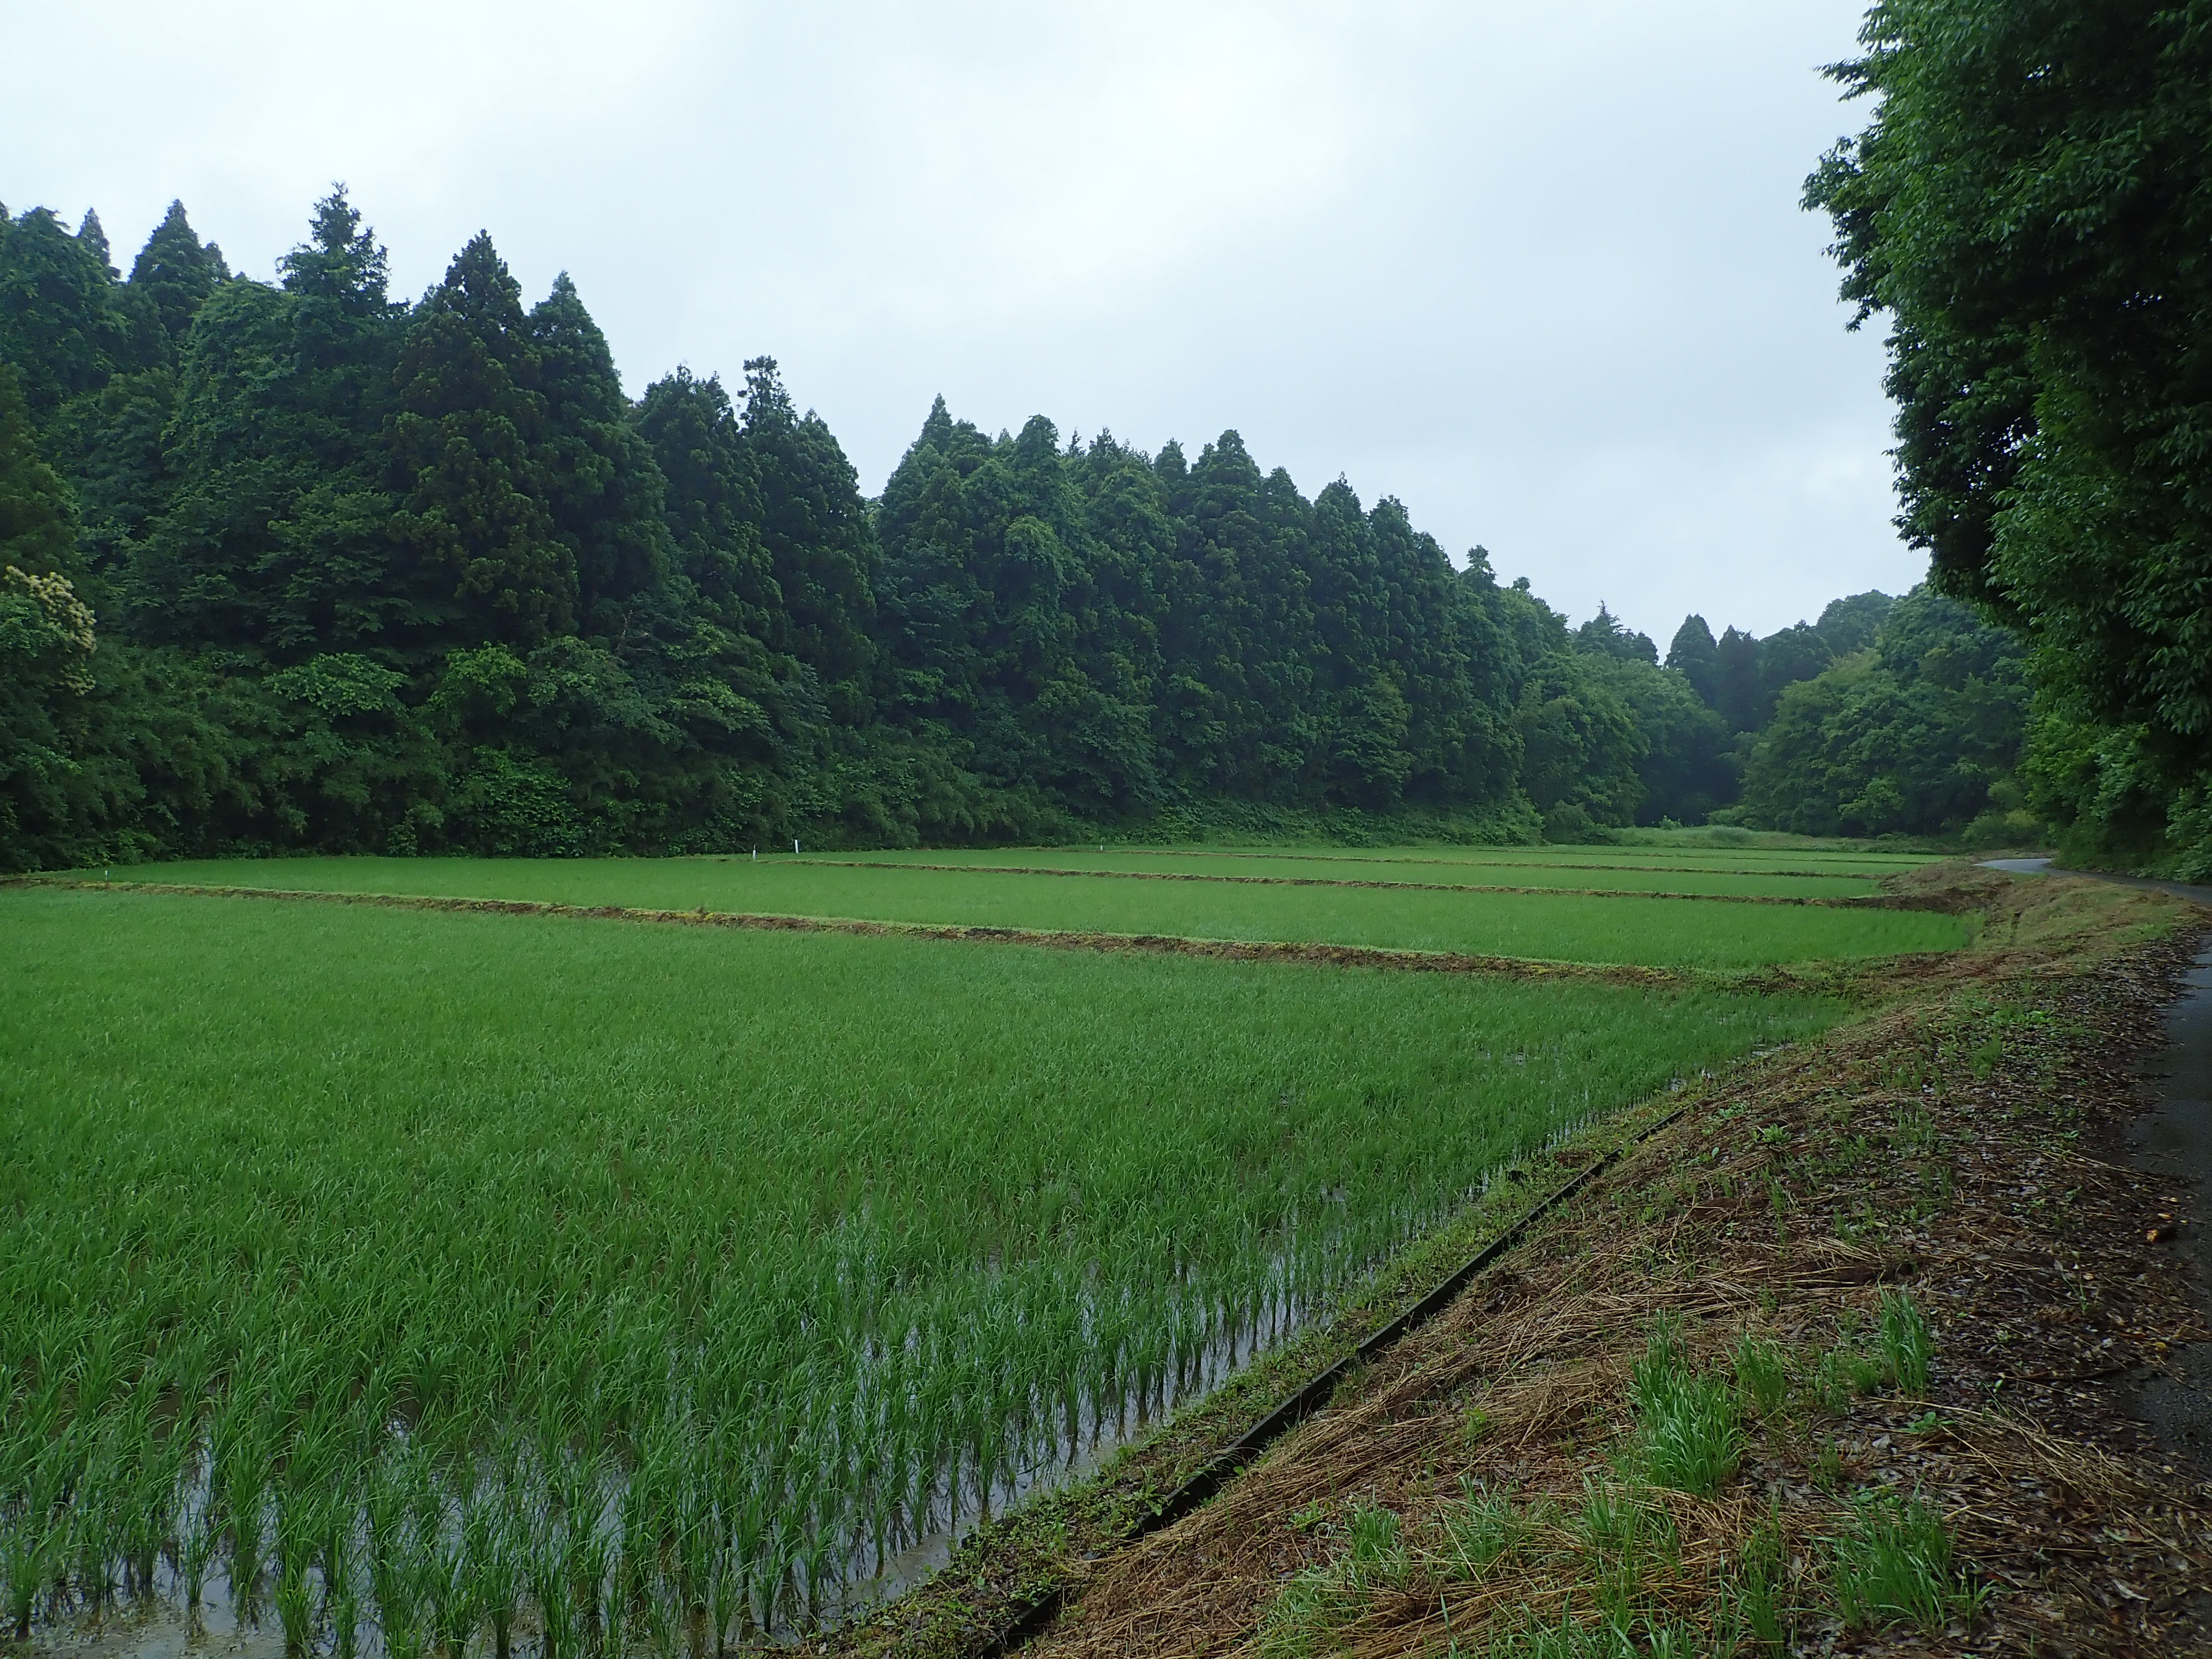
(384, 1281)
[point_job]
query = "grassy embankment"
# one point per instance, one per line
(435, 1272)
(1844, 1360)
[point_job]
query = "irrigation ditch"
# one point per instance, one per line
(1216, 1471)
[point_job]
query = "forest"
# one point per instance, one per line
(297, 566)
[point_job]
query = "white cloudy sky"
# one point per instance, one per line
(1538, 268)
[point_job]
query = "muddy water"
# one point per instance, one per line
(2171, 1142)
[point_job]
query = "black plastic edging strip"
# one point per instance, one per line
(1215, 1472)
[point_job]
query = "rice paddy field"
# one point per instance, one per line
(407, 1279)
(1279, 867)
(1614, 921)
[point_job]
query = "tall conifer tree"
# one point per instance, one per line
(60, 322)
(175, 272)
(602, 486)
(467, 417)
(821, 545)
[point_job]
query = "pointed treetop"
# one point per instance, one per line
(1693, 642)
(177, 271)
(937, 429)
(95, 239)
(576, 366)
(766, 401)
(478, 285)
(1603, 635)
(562, 311)
(1039, 442)
(340, 260)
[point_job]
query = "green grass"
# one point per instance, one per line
(1894, 1566)
(702, 1268)
(1752, 860)
(1655, 932)
(1409, 870)
(1689, 1425)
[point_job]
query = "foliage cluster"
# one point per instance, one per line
(1916, 735)
(2028, 207)
(374, 576)
(379, 576)
(1887, 716)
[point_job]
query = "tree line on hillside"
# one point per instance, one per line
(295, 565)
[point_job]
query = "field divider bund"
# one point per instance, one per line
(1858, 901)
(1232, 1458)
(1319, 954)
(1451, 864)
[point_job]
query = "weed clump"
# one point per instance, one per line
(1892, 1565)
(1483, 1531)
(1689, 1429)
(1908, 1346)
(1319, 1600)
(1762, 1375)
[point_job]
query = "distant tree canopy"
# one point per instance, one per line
(2028, 207)
(1917, 735)
(298, 565)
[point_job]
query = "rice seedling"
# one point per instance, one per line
(1711, 934)
(451, 1276)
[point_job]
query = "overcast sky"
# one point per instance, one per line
(1538, 269)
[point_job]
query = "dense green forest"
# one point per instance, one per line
(2028, 209)
(296, 565)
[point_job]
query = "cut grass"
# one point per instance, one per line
(703, 1270)
(1652, 932)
